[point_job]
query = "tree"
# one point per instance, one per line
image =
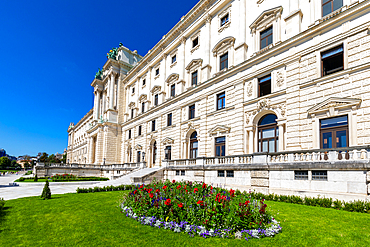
(64, 159)
(14, 163)
(46, 193)
(5, 162)
(27, 165)
(44, 157)
(35, 178)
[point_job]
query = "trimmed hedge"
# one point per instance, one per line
(105, 188)
(2, 203)
(23, 179)
(353, 206)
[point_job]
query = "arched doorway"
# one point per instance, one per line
(268, 134)
(193, 145)
(154, 153)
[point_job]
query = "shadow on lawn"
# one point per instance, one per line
(3, 213)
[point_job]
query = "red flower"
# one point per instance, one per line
(195, 190)
(186, 191)
(232, 192)
(150, 190)
(141, 186)
(173, 181)
(164, 187)
(178, 187)
(246, 203)
(180, 205)
(151, 195)
(135, 192)
(157, 191)
(204, 185)
(211, 188)
(168, 202)
(201, 203)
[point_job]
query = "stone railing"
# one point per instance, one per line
(93, 166)
(314, 155)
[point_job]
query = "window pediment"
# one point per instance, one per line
(266, 18)
(223, 45)
(143, 97)
(194, 64)
(156, 89)
(332, 104)
(167, 141)
(172, 78)
(219, 129)
(131, 105)
(138, 147)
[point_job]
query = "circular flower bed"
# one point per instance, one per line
(198, 208)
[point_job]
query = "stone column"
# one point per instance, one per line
(281, 137)
(242, 22)
(111, 91)
(182, 59)
(97, 104)
(250, 140)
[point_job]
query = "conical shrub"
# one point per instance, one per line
(46, 193)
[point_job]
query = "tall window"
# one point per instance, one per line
(193, 145)
(191, 111)
(173, 58)
(268, 134)
(194, 78)
(224, 19)
(173, 90)
(156, 99)
(143, 107)
(132, 113)
(266, 37)
(153, 125)
(144, 82)
(139, 130)
(329, 6)
(129, 134)
(224, 61)
(154, 151)
(195, 42)
(220, 145)
(334, 132)
(169, 119)
(332, 60)
(138, 158)
(157, 72)
(221, 101)
(168, 153)
(133, 90)
(264, 86)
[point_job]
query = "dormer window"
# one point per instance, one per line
(266, 37)
(195, 42)
(329, 6)
(225, 19)
(173, 60)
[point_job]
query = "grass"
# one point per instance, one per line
(94, 219)
(39, 180)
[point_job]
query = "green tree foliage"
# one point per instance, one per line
(46, 193)
(27, 165)
(53, 159)
(44, 157)
(64, 159)
(14, 163)
(5, 162)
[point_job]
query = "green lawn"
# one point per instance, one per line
(94, 219)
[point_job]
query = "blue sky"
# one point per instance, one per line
(50, 52)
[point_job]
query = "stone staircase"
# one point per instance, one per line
(139, 176)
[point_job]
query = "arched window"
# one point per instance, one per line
(154, 151)
(268, 134)
(193, 145)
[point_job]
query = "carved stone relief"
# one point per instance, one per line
(250, 89)
(280, 78)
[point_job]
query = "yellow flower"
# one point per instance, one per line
(167, 219)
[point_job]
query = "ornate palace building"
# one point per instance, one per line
(261, 94)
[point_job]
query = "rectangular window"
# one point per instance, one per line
(224, 19)
(329, 6)
(183, 173)
(301, 175)
(138, 156)
(334, 132)
(133, 90)
(157, 72)
(230, 174)
(191, 111)
(132, 113)
(266, 37)
(220, 173)
(264, 86)
(194, 78)
(139, 131)
(320, 175)
(143, 107)
(195, 42)
(153, 125)
(220, 145)
(169, 119)
(129, 134)
(177, 173)
(168, 153)
(221, 101)
(144, 82)
(173, 90)
(332, 60)
(224, 61)
(156, 99)
(173, 58)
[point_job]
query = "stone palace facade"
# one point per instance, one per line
(237, 85)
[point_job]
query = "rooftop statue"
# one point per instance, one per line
(99, 74)
(112, 53)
